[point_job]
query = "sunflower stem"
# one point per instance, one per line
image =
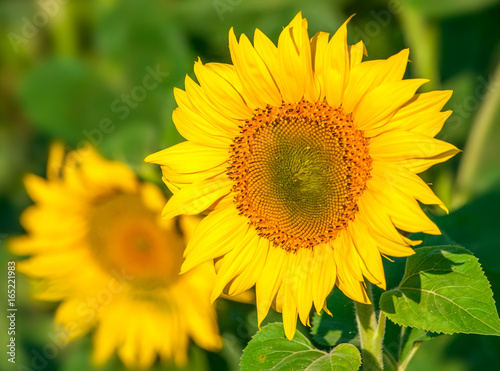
(422, 35)
(476, 148)
(406, 361)
(371, 333)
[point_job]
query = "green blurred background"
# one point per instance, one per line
(70, 68)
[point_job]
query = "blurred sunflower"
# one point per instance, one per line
(97, 244)
(307, 159)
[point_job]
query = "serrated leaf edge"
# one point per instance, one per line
(441, 248)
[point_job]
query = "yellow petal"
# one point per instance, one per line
(289, 312)
(74, 324)
(106, 337)
(427, 123)
(349, 255)
(228, 72)
(202, 322)
(324, 274)
(371, 260)
(366, 76)
(269, 281)
(433, 101)
(305, 285)
(394, 178)
(55, 265)
(337, 65)
(356, 53)
(198, 98)
(246, 279)
(319, 44)
(152, 196)
(389, 241)
(259, 88)
(294, 56)
(196, 197)
(201, 121)
(351, 287)
(215, 236)
(177, 180)
(383, 101)
(188, 226)
(221, 93)
(406, 213)
(196, 129)
(415, 151)
(235, 262)
(97, 172)
(189, 157)
(55, 162)
(349, 277)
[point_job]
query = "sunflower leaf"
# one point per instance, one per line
(270, 349)
(399, 342)
(340, 327)
(443, 290)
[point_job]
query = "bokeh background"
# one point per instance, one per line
(69, 67)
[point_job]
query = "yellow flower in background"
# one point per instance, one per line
(306, 158)
(97, 244)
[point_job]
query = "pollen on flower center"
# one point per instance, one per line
(123, 234)
(299, 170)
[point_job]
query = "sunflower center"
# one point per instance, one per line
(299, 170)
(124, 234)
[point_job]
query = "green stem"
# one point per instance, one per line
(406, 361)
(64, 32)
(422, 35)
(475, 148)
(390, 364)
(371, 334)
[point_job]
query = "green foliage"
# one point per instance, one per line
(476, 226)
(65, 98)
(448, 8)
(270, 349)
(399, 342)
(340, 327)
(66, 79)
(443, 290)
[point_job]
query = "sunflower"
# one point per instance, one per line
(306, 159)
(98, 244)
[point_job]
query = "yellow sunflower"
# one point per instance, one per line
(98, 244)
(306, 158)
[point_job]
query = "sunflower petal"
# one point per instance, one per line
(366, 76)
(337, 64)
(196, 197)
(383, 101)
(260, 88)
(221, 93)
(269, 281)
(324, 274)
(189, 157)
(294, 56)
(216, 236)
(415, 151)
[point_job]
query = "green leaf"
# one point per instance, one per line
(475, 225)
(443, 290)
(411, 337)
(340, 327)
(66, 99)
(448, 8)
(398, 341)
(271, 350)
